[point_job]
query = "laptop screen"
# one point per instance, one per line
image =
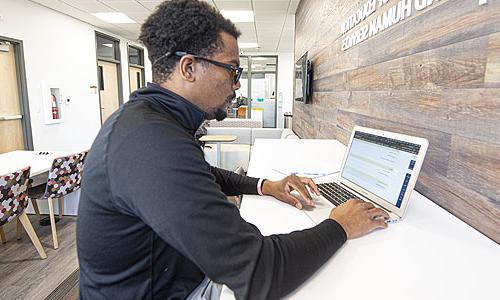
(380, 165)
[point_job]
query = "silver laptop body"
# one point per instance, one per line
(379, 166)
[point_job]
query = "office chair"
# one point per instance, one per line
(65, 177)
(13, 203)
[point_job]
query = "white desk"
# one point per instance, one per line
(218, 139)
(430, 254)
(40, 163)
(40, 166)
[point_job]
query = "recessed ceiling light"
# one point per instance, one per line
(259, 58)
(248, 45)
(108, 45)
(114, 17)
(238, 16)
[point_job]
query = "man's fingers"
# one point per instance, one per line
(353, 201)
(308, 181)
(292, 201)
(377, 212)
(379, 224)
(368, 205)
(304, 193)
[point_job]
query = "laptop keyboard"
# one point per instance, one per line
(335, 193)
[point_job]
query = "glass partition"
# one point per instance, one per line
(256, 98)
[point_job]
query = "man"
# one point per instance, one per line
(153, 220)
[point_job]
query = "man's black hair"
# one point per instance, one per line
(182, 25)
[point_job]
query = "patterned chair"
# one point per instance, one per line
(13, 202)
(65, 177)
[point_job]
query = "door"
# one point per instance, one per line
(263, 89)
(108, 88)
(135, 77)
(11, 126)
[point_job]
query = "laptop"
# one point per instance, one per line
(379, 166)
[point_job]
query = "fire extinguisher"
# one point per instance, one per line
(55, 114)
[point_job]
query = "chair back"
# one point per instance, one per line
(13, 194)
(65, 175)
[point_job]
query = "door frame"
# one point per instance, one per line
(249, 75)
(23, 90)
(143, 75)
(106, 59)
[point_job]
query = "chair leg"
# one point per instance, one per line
(60, 206)
(2, 235)
(32, 234)
(35, 208)
(19, 229)
(53, 223)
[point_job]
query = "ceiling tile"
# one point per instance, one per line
(89, 6)
(234, 5)
(245, 26)
(150, 4)
(266, 16)
(271, 6)
(126, 6)
(274, 18)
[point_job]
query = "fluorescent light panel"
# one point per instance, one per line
(248, 45)
(114, 17)
(238, 16)
(259, 58)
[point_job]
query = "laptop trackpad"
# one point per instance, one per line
(321, 211)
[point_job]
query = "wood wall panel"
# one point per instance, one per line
(435, 74)
(492, 76)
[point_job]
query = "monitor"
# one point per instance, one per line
(301, 78)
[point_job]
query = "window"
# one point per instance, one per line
(258, 89)
(107, 48)
(135, 56)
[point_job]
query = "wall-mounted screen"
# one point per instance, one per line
(302, 82)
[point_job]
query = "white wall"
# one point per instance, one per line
(285, 82)
(60, 50)
(286, 64)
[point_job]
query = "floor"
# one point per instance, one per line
(24, 275)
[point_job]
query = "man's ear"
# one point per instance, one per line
(187, 68)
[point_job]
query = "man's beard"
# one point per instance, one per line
(220, 114)
(221, 111)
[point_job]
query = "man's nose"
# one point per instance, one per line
(237, 85)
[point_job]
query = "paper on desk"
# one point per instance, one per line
(310, 167)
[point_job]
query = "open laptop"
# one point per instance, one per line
(379, 166)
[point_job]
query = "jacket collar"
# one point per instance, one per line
(189, 115)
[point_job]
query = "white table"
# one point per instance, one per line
(218, 139)
(40, 166)
(16, 160)
(430, 254)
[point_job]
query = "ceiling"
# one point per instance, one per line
(273, 28)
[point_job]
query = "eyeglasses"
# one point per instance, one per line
(236, 71)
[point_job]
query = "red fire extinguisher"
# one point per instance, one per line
(55, 114)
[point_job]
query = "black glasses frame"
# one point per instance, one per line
(236, 71)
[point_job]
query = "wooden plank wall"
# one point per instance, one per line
(435, 75)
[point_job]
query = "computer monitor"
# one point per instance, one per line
(302, 80)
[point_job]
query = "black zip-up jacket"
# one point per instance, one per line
(153, 218)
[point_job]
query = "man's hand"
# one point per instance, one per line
(358, 217)
(281, 190)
